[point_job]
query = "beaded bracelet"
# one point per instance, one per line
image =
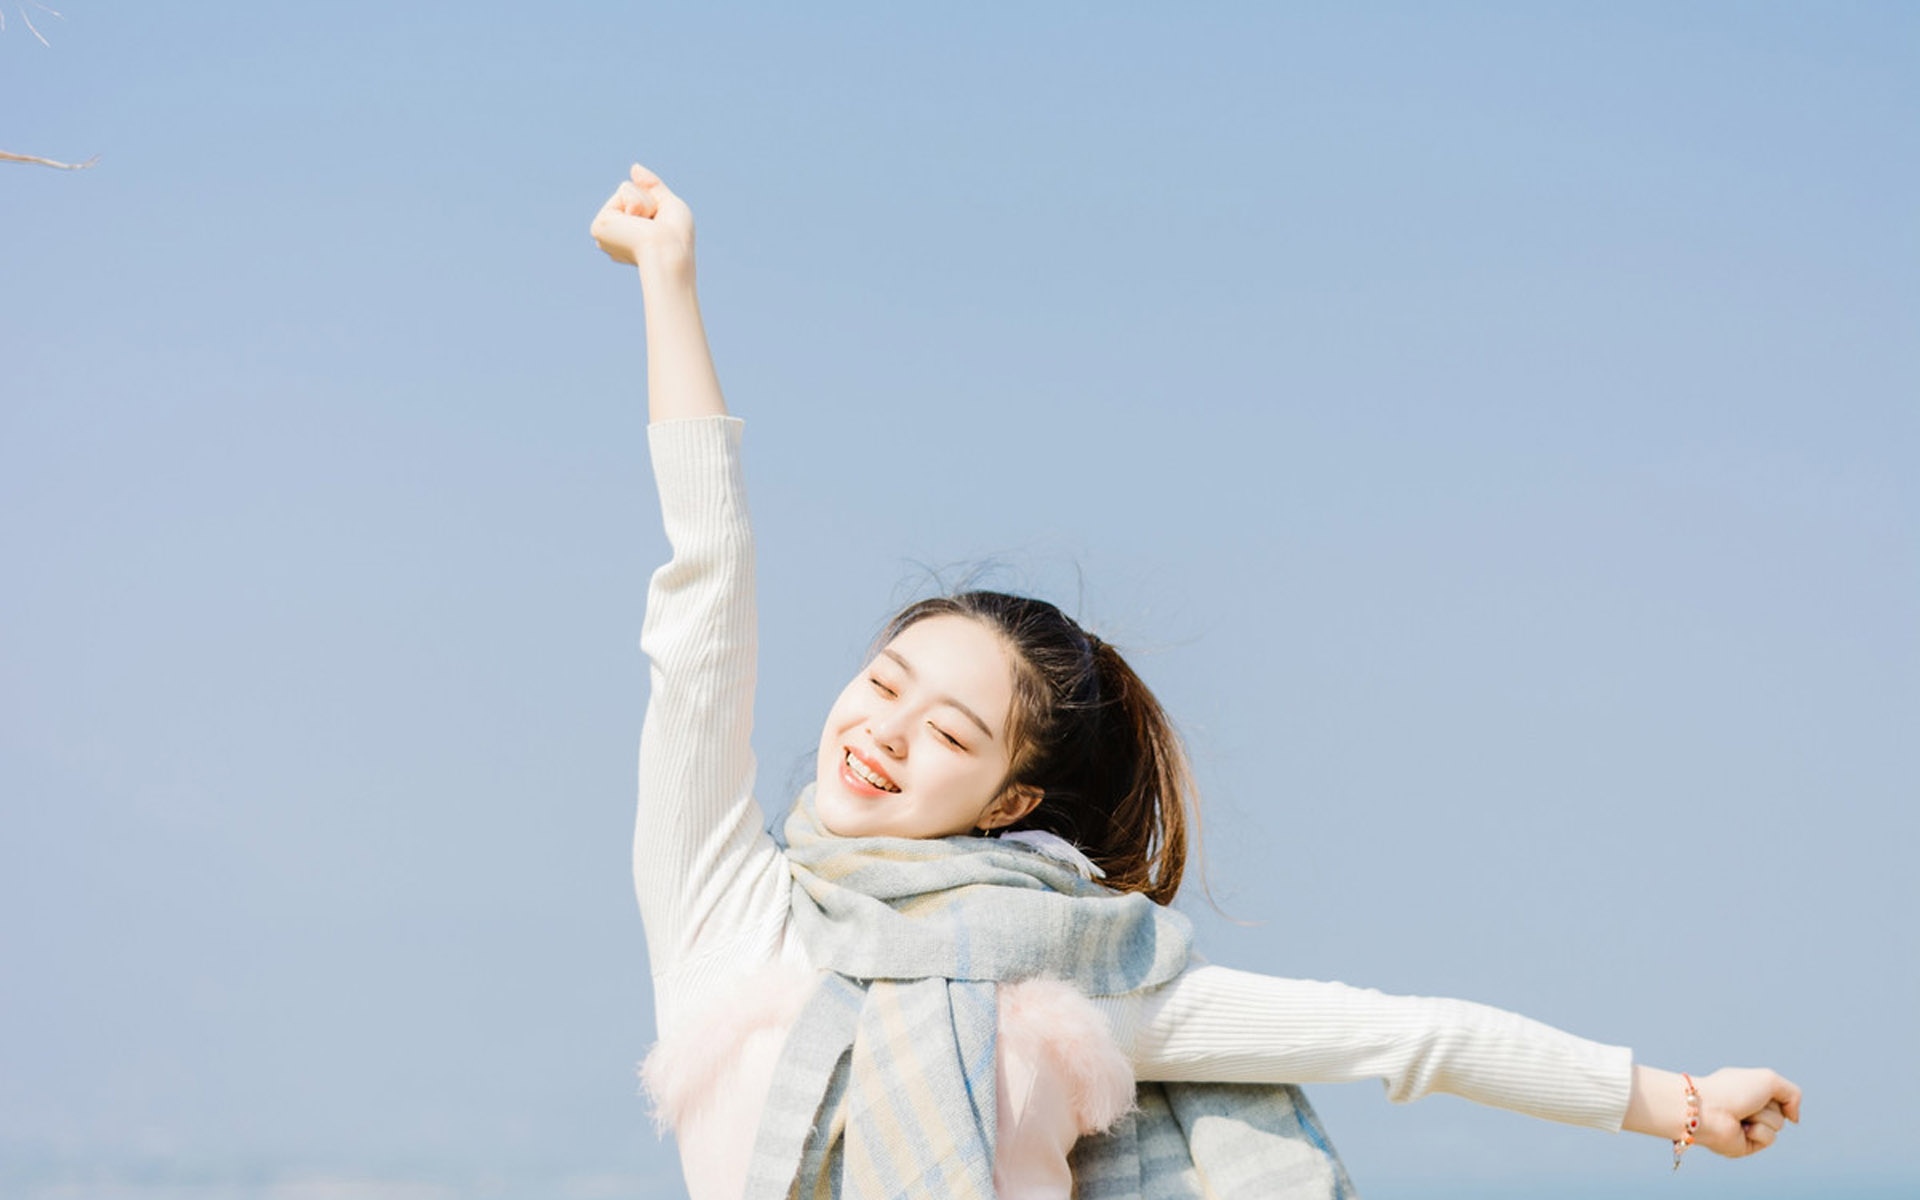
(1681, 1143)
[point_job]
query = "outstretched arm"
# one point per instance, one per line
(1218, 1024)
(644, 225)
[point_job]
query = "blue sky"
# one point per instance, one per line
(1492, 427)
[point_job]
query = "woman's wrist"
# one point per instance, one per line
(1658, 1103)
(662, 268)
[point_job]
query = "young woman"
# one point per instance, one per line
(958, 977)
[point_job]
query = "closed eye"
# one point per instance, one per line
(880, 687)
(946, 737)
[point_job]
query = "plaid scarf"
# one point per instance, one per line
(886, 1085)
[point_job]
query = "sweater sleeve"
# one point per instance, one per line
(706, 872)
(1220, 1025)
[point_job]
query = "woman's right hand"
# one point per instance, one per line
(643, 224)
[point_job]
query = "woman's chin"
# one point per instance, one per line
(840, 814)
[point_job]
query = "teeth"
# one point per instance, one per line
(860, 771)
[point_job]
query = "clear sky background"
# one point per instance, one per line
(1492, 427)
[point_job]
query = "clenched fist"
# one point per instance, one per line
(643, 224)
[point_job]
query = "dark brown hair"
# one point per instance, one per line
(1090, 736)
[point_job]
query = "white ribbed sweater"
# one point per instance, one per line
(713, 887)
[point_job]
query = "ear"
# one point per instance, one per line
(1015, 802)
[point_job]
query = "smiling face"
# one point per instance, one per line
(918, 744)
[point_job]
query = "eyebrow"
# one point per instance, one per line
(947, 700)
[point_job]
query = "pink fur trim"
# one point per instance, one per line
(1074, 1040)
(1063, 1028)
(680, 1073)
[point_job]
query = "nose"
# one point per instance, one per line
(888, 736)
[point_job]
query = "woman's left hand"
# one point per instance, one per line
(1742, 1109)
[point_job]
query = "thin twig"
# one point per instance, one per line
(31, 27)
(5, 156)
(48, 162)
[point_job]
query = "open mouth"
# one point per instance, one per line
(871, 776)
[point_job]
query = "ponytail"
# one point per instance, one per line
(1149, 816)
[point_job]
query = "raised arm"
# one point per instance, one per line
(644, 225)
(711, 885)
